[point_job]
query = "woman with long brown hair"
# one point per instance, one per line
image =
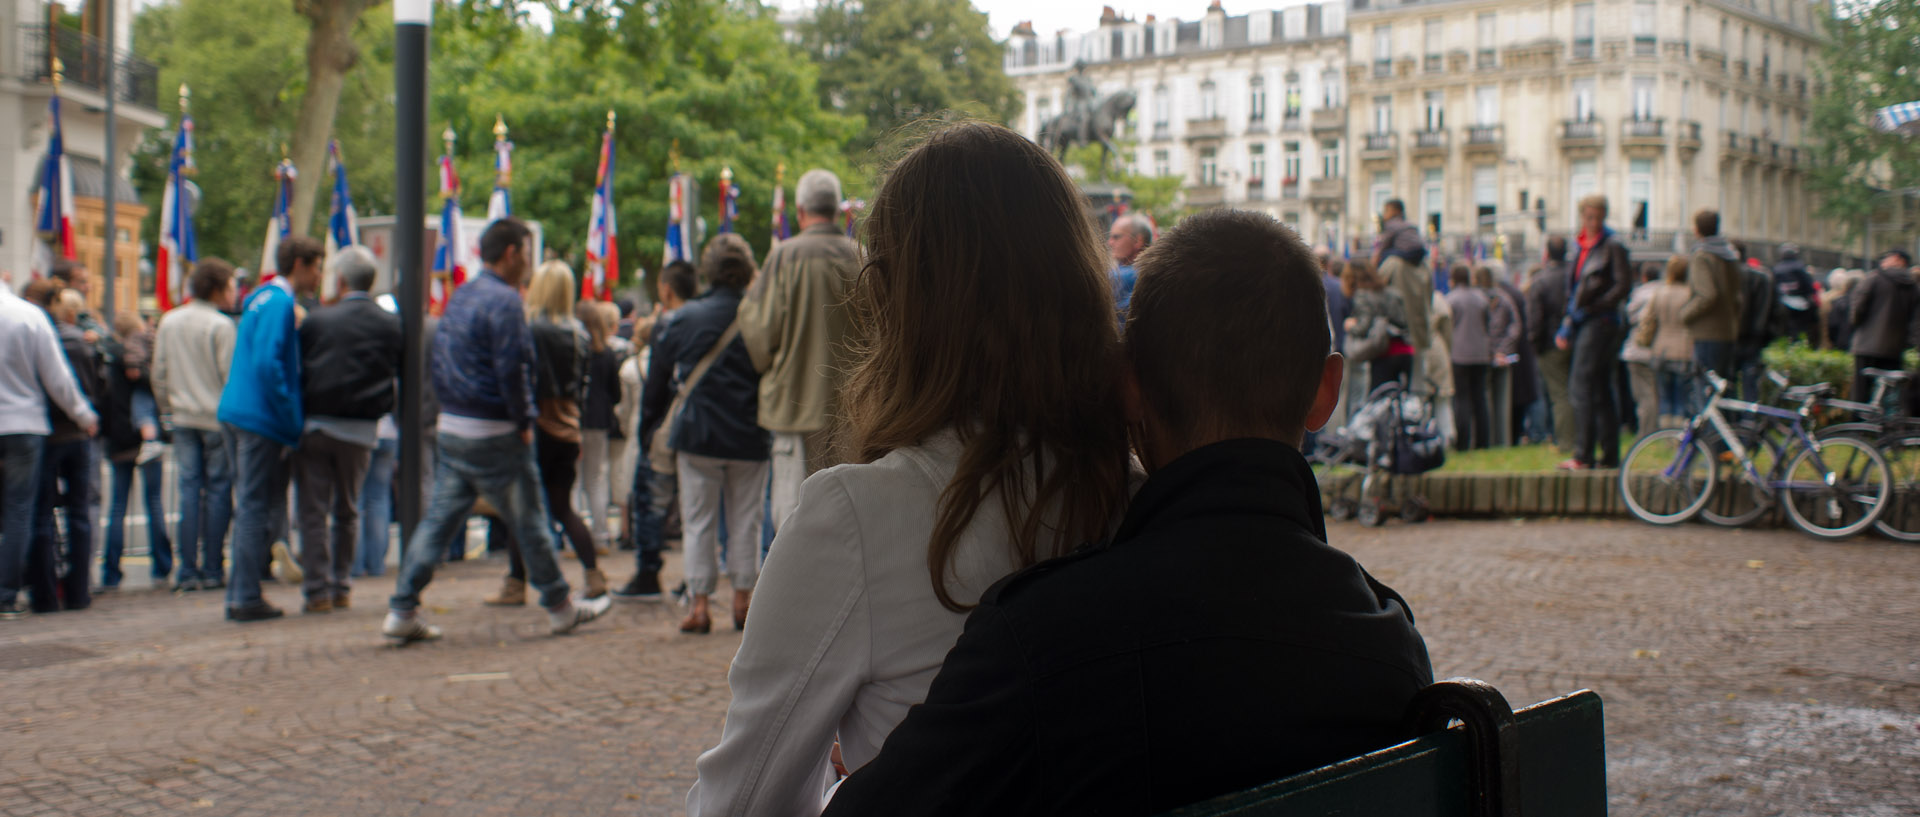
(984, 417)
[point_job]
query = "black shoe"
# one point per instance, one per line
(254, 612)
(644, 586)
(16, 610)
(187, 585)
(215, 583)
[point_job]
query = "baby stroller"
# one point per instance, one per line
(1393, 432)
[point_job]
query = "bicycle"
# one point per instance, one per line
(1669, 476)
(1881, 422)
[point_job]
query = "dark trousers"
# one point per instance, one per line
(19, 494)
(1862, 389)
(1472, 417)
(159, 547)
(559, 467)
(1596, 414)
(327, 475)
(261, 475)
(651, 499)
(1388, 369)
(1715, 356)
(58, 569)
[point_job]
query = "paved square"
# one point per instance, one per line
(1744, 673)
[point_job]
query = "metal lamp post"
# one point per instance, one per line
(411, 19)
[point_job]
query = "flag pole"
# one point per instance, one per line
(110, 196)
(411, 20)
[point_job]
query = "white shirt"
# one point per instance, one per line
(33, 369)
(846, 633)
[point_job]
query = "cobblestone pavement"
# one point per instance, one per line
(1744, 673)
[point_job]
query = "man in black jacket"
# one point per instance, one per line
(1546, 307)
(1275, 653)
(349, 354)
(1600, 278)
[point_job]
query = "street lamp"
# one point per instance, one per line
(411, 19)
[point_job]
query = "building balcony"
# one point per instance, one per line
(1257, 190)
(1646, 47)
(1214, 128)
(1290, 121)
(1206, 195)
(1162, 132)
(1486, 59)
(1258, 124)
(1329, 119)
(1790, 156)
(1735, 146)
(1583, 49)
(1327, 191)
(1382, 69)
(1689, 139)
(1582, 135)
(85, 61)
(1740, 69)
(1428, 143)
(1643, 133)
(1377, 146)
(1490, 139)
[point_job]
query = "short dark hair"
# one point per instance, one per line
(1398, 206)
(1228, 330)
(1460, 275)
(728, 262)
(63, 271)
(1706, 222)
(680, 277)
(296, 249)
(209, 276)
(1557, 248)
(1905, 259)
(504, 233)
(42, 291)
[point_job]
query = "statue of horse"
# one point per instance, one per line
(1071, 128)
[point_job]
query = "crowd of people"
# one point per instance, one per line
(1587, 343)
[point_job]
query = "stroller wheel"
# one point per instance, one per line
(1415, 510)
(1372, 514)
(1341, 509)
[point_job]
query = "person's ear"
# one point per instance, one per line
(1332, 372)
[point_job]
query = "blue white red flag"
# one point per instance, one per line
(53, 219)
(603, 249)
(679, 240)
(178, 248)
(500, 205)
(729, 200)
(343, 225)
(280, 225)
(450, 262)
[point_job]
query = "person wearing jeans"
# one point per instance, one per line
(19, 490)
(500, 469)
(652, 495)
(376, 502)
(1601, 279)
(159, 547)
(192, 353)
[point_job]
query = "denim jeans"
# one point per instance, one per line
(649, 503)
(1675, 382)
(261, 473)
(502, 470)
(159, 547)
(1715, 356)
(205, 465)
(376, 509)
(59, 569)
(19, 490)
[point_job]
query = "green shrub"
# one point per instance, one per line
(1803, 364)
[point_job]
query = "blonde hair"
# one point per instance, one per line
(550, 292)
(1595, 201)
(128, 324)
(601, 319)
(68, 305)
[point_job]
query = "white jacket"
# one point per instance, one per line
(33, 369)
(192, 352)
(846, 632)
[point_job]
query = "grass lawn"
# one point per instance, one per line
(1517, 459)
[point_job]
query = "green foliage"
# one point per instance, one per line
(1804, 365)
(713, 75)
(1154, 195)
(895, 61)
(1868, 62)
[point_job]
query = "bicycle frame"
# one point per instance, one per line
(1713, 417)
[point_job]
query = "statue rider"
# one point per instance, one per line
(1080, 102)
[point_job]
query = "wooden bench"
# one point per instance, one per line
(1548, 759)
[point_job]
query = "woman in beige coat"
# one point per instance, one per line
(1664, 329)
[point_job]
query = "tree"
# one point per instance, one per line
(1157, 196)
(894, 61)
(331, 52)
(1871, 60)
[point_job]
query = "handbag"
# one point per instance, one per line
(660, 454)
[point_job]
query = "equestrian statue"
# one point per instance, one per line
(1085, 120)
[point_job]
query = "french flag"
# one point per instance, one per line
(281, 224)
(499, 205)
(729, 200)
(343, 225)
(678, 241)
(178, 248)
(603, 251)
(449, 267)
(54, 220)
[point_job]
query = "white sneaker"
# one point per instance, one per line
(403, 630)
(149, 451)
(578, 612)
(284, 565)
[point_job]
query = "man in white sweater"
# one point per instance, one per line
(191, 354)
(32, 372)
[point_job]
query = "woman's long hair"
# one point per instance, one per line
(986, 309)
(550, 293)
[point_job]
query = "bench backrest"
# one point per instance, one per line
(1555, 762)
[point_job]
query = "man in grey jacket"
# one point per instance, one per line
(1884, 311)
(192, 351)
(1712, 313)
(33, 373)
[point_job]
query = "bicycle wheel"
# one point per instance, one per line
(1737, 498)
(1841, 492)
(1663, 480)
(1901, 519)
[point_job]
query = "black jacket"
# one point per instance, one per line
(349, 355)
(721, 418)
(1546, 304)
(1760, 312)
(115, 403)
(1885, 312)
(559, 360)
(1262, 652)
(1799, 299)
(1605, 279)
(84, 359)
(603, 391)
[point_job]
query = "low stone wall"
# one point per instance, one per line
(1551, 493)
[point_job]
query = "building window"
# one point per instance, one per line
(1257, 100)
(1293, 97)
(1380, 190)
(1383, 50)
(1436, 111)
(1434, 33)
(1486, 105)
(1161, 165)
(1486, 32)
(1640, 195)
(1330, 96)
(1330, 159)
(1162, 105)
(1723, 37)
(1583, 100)
(1383, 114)
(1583, 31)
(1209, 167)
(1686, 29)
(1585, 182)
(1433, 196)
(1486, 197)
(1645, 43)
(1256, 164)
(1209, 100)
(1642, 98)
(1686, 100)
(1291, 167)
(1042, 111)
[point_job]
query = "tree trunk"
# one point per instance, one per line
(330, 54)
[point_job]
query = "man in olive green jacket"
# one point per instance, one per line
(1712, 312)
(796, 324)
